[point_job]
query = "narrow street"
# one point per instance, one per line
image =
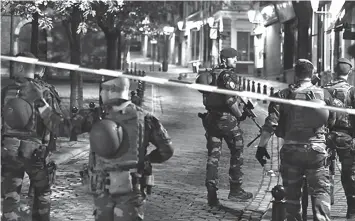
(179, 193)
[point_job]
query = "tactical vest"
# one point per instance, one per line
(305, 124)
(30, 129)
(131, 119)
(340, 91)
(215, 101)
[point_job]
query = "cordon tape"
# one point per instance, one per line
(162, 81)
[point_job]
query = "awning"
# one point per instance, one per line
(344, 16)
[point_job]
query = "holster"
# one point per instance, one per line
(32, 150)
(52, 169)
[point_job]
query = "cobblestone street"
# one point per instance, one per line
(179, 192)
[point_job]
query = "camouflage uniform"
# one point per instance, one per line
(342, 139)
(49, 138)
(222, 122)
(126, 206)
(22, 151)
(304, 150)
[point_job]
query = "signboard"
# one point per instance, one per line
(269, 15)
(213, 33)
(285, 11)
(153, 41)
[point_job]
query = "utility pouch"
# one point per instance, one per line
(10, 148)
(32, 150)
(119, 182)
(52, 170)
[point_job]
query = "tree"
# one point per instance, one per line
(125, 19)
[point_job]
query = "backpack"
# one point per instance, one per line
(340, 91)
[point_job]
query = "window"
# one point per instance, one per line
(195, 44)
(245, 46)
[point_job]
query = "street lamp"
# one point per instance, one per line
(167, 30)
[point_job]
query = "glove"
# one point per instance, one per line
(260, 154)
(243, 117)
(31, 92)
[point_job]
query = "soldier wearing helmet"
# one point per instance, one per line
(26, 115)
(304, 151)
(119, 166)
(222, 122)
(342, 134)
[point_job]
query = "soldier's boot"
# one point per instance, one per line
(212, 197)
(350, 214)
(238, 194)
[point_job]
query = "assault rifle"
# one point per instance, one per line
(248, 111)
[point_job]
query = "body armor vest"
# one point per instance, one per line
(339, 91)
(30, 130)
(215, 101)
(131, 119)
(305, 124)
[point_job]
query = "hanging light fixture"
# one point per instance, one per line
(315, 5)
(180, 25)
(210, 21)
(251, 15)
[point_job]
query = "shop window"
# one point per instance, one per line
(245, 46)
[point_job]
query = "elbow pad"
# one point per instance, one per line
(234, 106)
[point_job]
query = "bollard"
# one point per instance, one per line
(244, 85)
(278, 203)
(240, 83)
(135, 67)
(73, 135)
(248, 86)
(271, 91)
(159, 68)
(258, 90)
(253, 86)
(265, 92)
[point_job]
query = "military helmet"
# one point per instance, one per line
(205, 78)
(118, 86)
(17, 113)
(343, 66)
(106, 137)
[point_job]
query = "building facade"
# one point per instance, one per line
(203, 29)
(320, 31)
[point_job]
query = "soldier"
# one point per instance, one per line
(25, 109)
(118, 162)
(342, 134)
(304, 151)
(222, 121)
(48, 138)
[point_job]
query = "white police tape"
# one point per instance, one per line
(155, 80)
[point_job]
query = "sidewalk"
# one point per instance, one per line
(186, 73)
